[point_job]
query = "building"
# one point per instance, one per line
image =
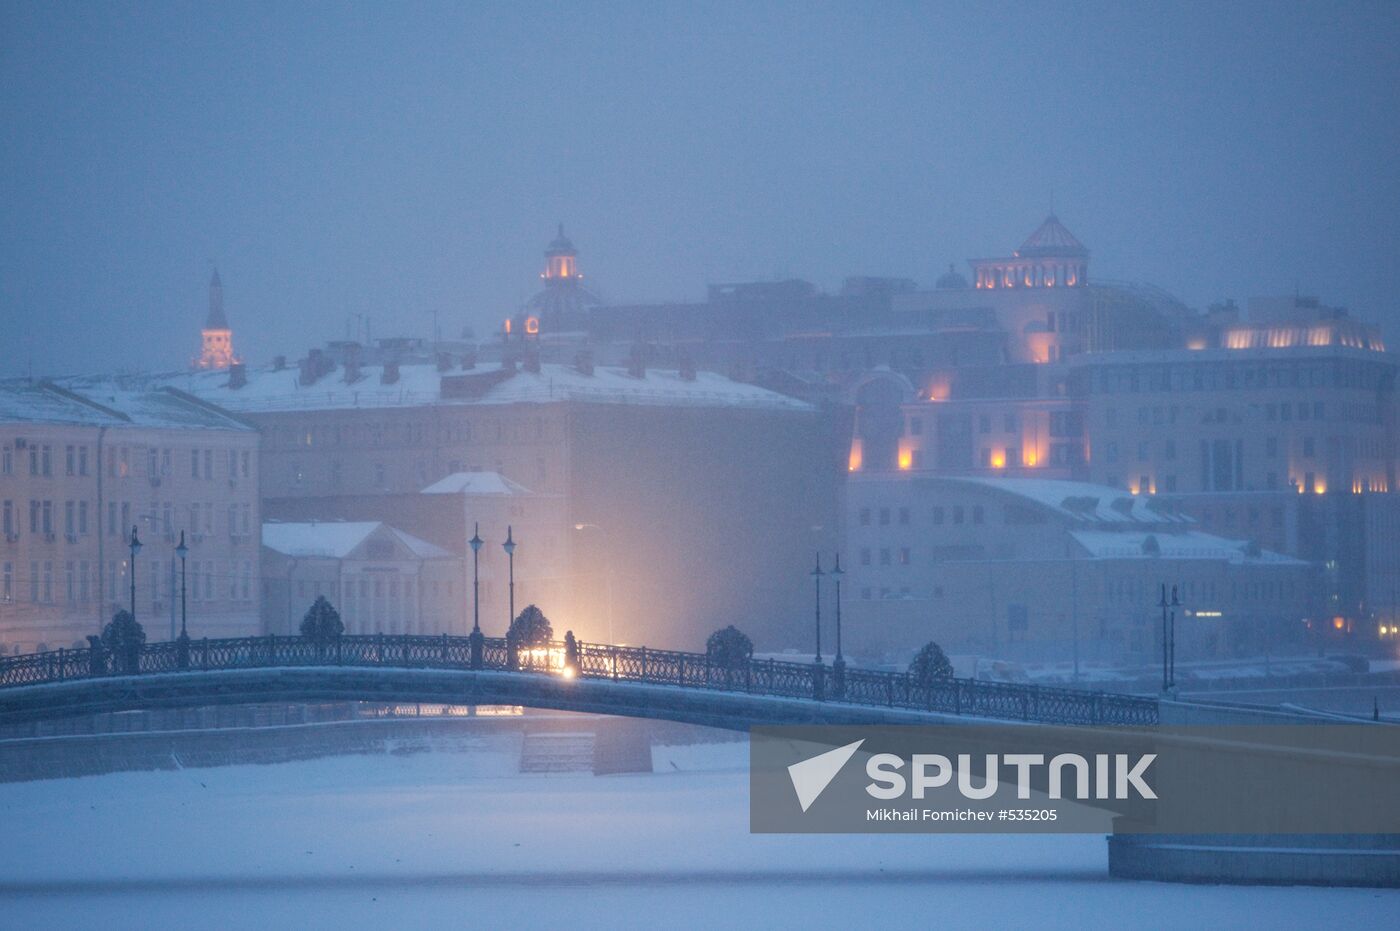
(216, 348)
(448, 514)
(689, 501)
(79, 469)
(1052, 570)
(380, 579)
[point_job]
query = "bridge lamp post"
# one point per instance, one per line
(838, 665)
(475, 543)
(135, 545)
(817, 578)
(182, 551)
(509, 547)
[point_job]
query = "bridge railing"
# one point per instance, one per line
(775, 678)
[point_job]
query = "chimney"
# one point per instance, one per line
(531, 362)
(279, 363)
(390, 375)
(314, 366)
(237, 376)
(687, 368)
(583, 361)
(469, 360)
(444, 362)
(636, 363)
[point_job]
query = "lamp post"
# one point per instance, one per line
(509, 547)
(182, 551)
(838, 665)
(1171, 665)
(817, 578)
(475, 543)
(611, 603)
(478, 642)
(135, 546)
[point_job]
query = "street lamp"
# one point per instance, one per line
(817, 578)
(1171, 666)
(836, 574)
(182, 551)
(611, 604)
(135, 545)
(476, 542)
(509, 547)
(1168, 638)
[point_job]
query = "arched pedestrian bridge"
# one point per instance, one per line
(569, 676)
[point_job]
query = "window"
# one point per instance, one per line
(916, 426)
(904, 558)
(1009, 422)
(1142, 451)
(884, 517)
(984, 423)
(977, 514)
(1111, 453)
(884, 555)
(1271, 446)
(194, 463)
(958, 514)
(865, 556)
(938, 515)
(70, 460)
(865, 517)
(208, 464)
(1308, 448)
(904, 516)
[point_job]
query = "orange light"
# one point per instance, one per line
(1319, 486)
(1196, 344)
(1338, 623)
(854, 462)
(906, 460)
(1030, 459)
(507, 326)
(532, 325)
(998, 459)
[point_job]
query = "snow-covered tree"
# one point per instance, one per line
(531, 628)
(124, 637)
(729, 648)
(930, 663)
(322, 622)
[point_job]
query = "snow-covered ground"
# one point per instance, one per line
(446, 839)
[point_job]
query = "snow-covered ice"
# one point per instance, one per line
(448, 839)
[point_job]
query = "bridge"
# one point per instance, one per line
(569, 676)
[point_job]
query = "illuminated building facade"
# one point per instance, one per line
(79, 467)
(217, 336)
(667, 472)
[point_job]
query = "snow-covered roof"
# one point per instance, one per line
(338, 539)
(96, 402)
(1109, 544)
(1082, 501)
(475, 483)
(421, 384)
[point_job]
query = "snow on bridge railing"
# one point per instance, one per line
(570, 658)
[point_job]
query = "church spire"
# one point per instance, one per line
(217, 337)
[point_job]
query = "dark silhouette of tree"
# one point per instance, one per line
(531, 628)
(729, 648)
(930, 664)
(124, 637)
(322, 623)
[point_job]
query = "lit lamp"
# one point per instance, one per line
(182, 551)
(509, 547)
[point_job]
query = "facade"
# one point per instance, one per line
(1052, 570)
(380, 579)
(689, 501)
(79, 469)
(447, 514)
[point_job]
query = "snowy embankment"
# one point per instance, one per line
(447, 839)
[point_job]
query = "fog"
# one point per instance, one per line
(403, 161)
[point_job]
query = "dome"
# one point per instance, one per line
(951, 280)
(1052, 239)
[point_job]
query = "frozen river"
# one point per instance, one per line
(446, 839)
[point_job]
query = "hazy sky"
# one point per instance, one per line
(396, 159)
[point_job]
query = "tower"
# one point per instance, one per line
(564, 302)
(217, 349)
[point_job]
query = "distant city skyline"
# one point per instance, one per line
(411, 162)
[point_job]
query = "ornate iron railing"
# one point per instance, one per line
(760, 677)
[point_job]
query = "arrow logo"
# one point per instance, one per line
(811, 776)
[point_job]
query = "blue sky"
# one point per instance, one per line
(396, 160)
